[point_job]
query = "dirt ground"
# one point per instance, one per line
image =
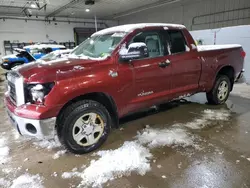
(221, 158)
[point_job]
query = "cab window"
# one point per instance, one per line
(177, 41)
(153, 40)
(47, 50)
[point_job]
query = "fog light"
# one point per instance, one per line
(31, 128)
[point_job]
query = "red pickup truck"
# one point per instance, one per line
(116, 71)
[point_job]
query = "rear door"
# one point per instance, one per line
(186, 66)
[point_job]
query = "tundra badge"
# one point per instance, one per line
(142, 94)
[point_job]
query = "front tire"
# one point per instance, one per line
(221, 90)
(84, 127)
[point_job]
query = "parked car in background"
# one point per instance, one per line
(20, 57)
(56, 55)
(28, 54)
(115, 72)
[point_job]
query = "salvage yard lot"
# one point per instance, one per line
(181, 144)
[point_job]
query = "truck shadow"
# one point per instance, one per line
(194, 108)
(153, 110)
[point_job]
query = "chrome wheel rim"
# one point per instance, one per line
(88, 129)
(223, 90)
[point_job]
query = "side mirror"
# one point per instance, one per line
(135, 50)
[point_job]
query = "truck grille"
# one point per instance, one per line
(15, 88)
(12, 92)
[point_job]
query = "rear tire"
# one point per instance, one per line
(84, 127)
(221, 90)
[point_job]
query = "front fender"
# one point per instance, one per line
(71, 87)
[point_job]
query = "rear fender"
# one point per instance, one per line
(220, 70)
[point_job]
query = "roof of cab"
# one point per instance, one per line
(131, 27)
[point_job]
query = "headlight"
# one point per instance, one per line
(36, 93)
(5, 60)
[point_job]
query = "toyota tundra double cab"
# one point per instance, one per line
(116, 71)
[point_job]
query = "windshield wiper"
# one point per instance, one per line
(83, 56)
(78, 56)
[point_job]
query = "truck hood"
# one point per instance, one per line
(43, 72)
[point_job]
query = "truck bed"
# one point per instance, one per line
(217, 47)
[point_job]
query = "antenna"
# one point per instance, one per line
(215, 31)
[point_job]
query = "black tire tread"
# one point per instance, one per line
(70, 111)
(212, 95)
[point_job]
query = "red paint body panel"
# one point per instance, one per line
(188, 73)
(214, 61)
(32, 111)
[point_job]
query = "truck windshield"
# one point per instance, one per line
(99, 46)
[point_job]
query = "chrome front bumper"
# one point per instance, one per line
(42, 129)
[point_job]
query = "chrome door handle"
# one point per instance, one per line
(164, 64)
(168, 62)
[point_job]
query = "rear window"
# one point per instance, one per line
(178, 42)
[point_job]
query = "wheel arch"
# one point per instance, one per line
(103, 98)
(229, 71)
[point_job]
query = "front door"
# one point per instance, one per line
(152, 74)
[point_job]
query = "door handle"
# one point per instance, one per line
(164, 64)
